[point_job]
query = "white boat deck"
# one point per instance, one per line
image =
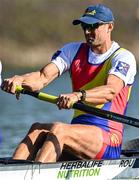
(125, 168)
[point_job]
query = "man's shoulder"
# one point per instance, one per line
(125, 53)
(121, 51)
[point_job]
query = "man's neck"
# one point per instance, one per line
(101, 49)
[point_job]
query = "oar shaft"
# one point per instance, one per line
(47, 97)
(83, 107)
(107, 114)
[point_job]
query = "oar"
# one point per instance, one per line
(83, 107)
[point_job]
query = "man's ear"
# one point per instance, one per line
(110, 27)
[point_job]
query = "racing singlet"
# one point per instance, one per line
(85, 76)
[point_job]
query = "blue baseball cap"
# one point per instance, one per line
(95, 14)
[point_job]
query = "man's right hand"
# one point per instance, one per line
(9, 85)
(33, 81)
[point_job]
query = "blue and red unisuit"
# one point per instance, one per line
(86, 76)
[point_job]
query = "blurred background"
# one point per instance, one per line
(30, 32)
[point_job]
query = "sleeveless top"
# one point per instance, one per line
(85, 76)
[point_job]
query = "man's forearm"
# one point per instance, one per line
(33, 81)
(39, 79)
(98, 95)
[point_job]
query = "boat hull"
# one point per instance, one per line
(126, 168)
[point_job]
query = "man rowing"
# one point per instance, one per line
(102, 75)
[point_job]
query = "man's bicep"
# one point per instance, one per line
(115, 82)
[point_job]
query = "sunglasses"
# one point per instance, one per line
(91, 26)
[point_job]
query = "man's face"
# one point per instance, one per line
(97, 34)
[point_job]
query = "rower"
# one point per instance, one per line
(102, 75)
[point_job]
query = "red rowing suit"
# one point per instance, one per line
(86, 76)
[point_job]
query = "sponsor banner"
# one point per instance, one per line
(73, 170)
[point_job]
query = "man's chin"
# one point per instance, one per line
(90, 43)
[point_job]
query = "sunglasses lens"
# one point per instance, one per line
(95, 26)
(90, 26)
(86, 26)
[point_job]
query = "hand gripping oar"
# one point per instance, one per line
(83, 107)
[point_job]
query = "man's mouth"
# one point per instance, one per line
(91, 39)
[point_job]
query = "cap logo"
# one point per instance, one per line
(91, 12)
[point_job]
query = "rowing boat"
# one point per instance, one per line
(124, 168)
(127, 167)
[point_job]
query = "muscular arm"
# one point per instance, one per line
(105, 93)
(97, 95)
(48, 73)
(33, 81)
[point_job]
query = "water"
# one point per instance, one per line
(17, 116)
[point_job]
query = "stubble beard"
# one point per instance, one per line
(92, 42)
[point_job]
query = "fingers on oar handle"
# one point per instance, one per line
(19, 89)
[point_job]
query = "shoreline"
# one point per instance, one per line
(14, 56)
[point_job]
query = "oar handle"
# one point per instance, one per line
(83, 107)
(39, 95)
